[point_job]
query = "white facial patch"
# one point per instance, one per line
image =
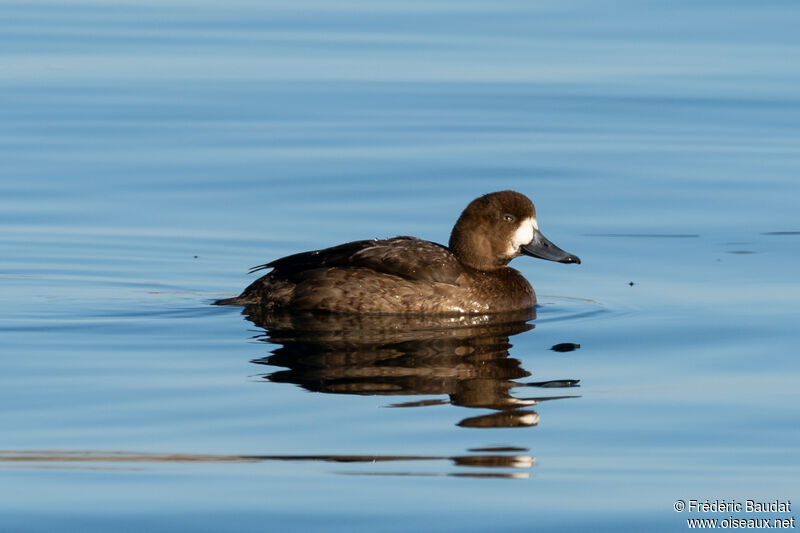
(523, 235)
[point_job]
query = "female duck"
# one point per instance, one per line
(406, 275)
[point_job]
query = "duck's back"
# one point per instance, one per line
(399, 275)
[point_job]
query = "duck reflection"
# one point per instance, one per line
(465, 358)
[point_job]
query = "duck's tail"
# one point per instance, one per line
(237, 300)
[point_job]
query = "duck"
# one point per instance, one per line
(410, 276)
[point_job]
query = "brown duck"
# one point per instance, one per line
(406, 275)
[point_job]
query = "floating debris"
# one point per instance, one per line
(565, 347)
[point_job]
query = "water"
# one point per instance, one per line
(150, 152)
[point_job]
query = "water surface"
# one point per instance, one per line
(151, 152)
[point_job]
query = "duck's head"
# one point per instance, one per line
(496, 228)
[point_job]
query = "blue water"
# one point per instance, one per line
(151, 152)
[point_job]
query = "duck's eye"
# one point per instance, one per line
(509, 218)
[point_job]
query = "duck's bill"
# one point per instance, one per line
(544, 249)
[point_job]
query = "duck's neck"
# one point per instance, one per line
(475, 252)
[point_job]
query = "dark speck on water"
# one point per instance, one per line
(565, 347)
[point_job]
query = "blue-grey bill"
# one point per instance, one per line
(542, 248)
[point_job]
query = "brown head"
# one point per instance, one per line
(496, 228)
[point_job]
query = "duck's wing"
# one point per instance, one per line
(406, 257)
(410, 258)
(333, 256)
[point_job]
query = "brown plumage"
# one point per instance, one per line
(406, 275)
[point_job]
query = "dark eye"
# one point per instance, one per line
(509, 218)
